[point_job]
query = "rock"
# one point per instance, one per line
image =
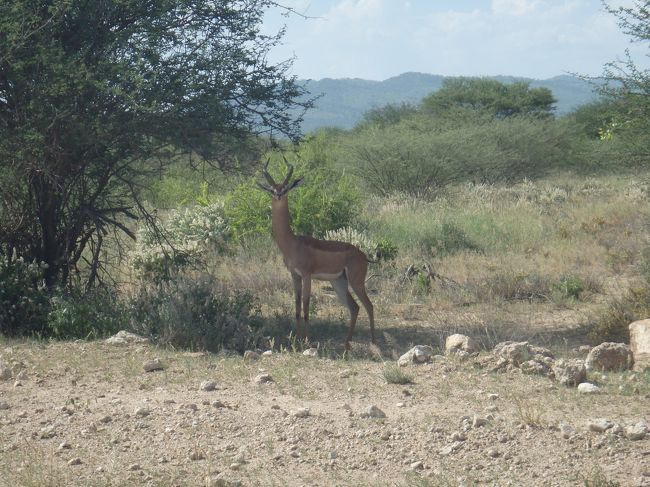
(609, 356)
(640, 344)
(570, 372)
(478, 421)
(134, 466)
(251, 355)
(458, 436)
(533, 367)
(75, 461)
(4, 405)
(567, 431)
(515, 353)
(588, 388)
(449, 449)
(636, 431)
(417, 465)
(5, 373)
(208, 385)
(152, 365)
(126, 338)
(263, 379)
(385, 435)
(493, 453)
(105, 419)
(457, 342)
(22, 375)
(419, 354)
(301, 413)
(141, 412)
(600, 425)
(64, 446)
(311, 352)
(267, 353)
(197, 455)
(372, 412)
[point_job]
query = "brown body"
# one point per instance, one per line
(307, 258)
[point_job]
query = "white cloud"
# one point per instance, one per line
(514, 7)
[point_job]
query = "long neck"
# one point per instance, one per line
(282, 233)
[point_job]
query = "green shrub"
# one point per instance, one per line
(96, 314)
(187, 237)
(24, 300)
(326, 201)
(570, 287)
(196, 313)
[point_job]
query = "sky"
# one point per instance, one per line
(379, 39)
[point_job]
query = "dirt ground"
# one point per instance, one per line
(87, 414)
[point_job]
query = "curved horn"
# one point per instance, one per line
(266, 174)
(289, 173)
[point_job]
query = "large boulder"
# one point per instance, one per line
(460, 343)
(640, 344)
(419, 354)
(609, 356)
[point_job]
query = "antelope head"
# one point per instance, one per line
(278, 190)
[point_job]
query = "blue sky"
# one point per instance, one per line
(378, 39)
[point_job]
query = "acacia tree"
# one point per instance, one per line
(489, 97)
(93, 91)
(629, 86)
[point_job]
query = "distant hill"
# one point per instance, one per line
(344, 101)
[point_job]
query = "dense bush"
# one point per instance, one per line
(24, 301)
(92, 315)
(416, 157)
(326, 201)
(195, 313)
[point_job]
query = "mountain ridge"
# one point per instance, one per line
(345, 100)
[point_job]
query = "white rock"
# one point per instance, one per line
(449, 449)
(267, 353)
(125, 338)
(208, 385)
(75, 461)
(458, 342)
(417, 465)
(372, 412)
(311, 352)
(419, 354)
(588, 388)
(141, 412)
(640, 344)
(636, 431)
(515, 353)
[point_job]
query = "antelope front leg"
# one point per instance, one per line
(297, 291)
(306, 291)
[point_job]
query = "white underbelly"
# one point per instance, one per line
(322, 276)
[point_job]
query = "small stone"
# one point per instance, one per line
(208, 385)
(141, 412)
(493, 397)
(311, 352)
(460, 343)
(385, 435)
(477, 421)
(75, 461)
(235, 466)
(125, 338)
(449, 449)
(263, 379)
(600, 425)
(22, 375)
(134, 466)
(588, 388)
(372, 412)
(458, 436)
(417, 465)
(267, 353)
(250, 355)
(64, 446)
(4, 405)
(636, 431)
(301, 413)
(196, 455)
(567, 431)
(493, 453)
(570, 372)
(152, 365)
(218, 404)
(419, 354)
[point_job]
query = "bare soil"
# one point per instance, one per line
(86, 413)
